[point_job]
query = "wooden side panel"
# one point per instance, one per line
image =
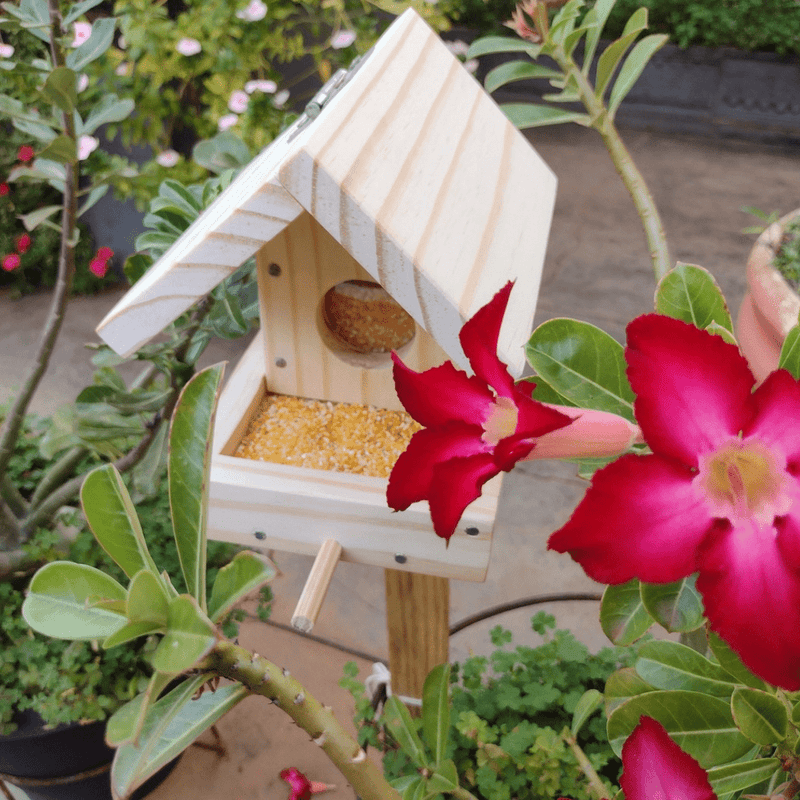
(422, 179)
(294, 271)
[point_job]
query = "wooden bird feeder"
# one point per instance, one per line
(390, 212)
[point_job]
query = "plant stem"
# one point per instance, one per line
(57, 473)
(595, 784)
(264, 678)
(16, 502)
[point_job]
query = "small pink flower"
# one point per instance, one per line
(457, 48)
(280, 99)
(238, 101)
(188, 47)
(123, 69)
(342, 39)
(471, 65)
(4, 189)
(81, 31)
(228, 121)
(268, 87)
(255, 11)
(25, 153)
(11, 262)
(23, 243)
(6, 50)
(83, 82)
(122, 43)
(98, 267)
(86, 146)
(167, 158)
(105, 253)
(301, 787)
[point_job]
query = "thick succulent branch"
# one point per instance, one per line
(15, 501)
(264, 678)
(59, 472)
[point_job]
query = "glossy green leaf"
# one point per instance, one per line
(790, 353)
(701, 725)
(736, 777)
(111, 516)
(591, 700)
(732, 663)
(670, 665)
(110, 109)
(564, 21)
(691, 294)
(37, 129)
(190, 637)
(595, 20)
(633, 68)
(677, 606)
(155, 240)
(189, 468)
(125, 724)
(436, 710)
(612, 55)
(35, 218)
(170, 726)
(487, 45)
(444, 778)
(517, 71)
(403, 782)
(545, 393)
(147, 599)
(17, 110)
(222, 152)
(412, 789)
(79, 9)
(717, 330)
(98, 42)
(623, 617)
(61, 149)
(621, 686)
(226, 318)
(400, 725)
(583, 363)
(761, 717)
(532, 115)
(63, 602)
(130, 631)
(59, 89)
(244, 574)
(176, 193)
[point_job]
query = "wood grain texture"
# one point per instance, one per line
(417, 621)
(423, 180)
(319, 580)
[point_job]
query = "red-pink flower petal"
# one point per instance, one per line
(23, 243)
(442, 394)
(750, 574)
(693, 389)
(98, 267)
(535, 418)
(655, 768)
(412, 477)
(300, 785)
(456, 483)
(104, 253)
(10, 262)
(4, 189)
(777, 401)
(26, 153)
(641, 518)
(479, 338)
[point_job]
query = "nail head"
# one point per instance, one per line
(400, 558)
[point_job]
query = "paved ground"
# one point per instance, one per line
(597, 269)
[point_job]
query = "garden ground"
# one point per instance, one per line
(597, 269)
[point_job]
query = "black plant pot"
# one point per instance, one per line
(69, 762)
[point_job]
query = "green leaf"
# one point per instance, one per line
(35, 218)
(633, 67)
(517, 71)
(736, 777)
(691, 294)
(17, 111)
(178, 194)
(130, 631)
(612, 55)
(109, 109)
(676, 606)
(244, 574)
(444, 778)
(761, 717)
(38, 130)
(412, 789)
(64, 602)
(147, 599)
(436, 710)
(135, 266)
(111, 516)
(669, 665)
(487, 45)
(59, 89)
(189, 468)
(224, 151)
(595, 20)
(732, 663)
(701, 725)
(564, 21)
(79, 9)
(190, 637)
(583, 363)
(125, 724)
(155, 240)
(621, 686)
(590, 701)
(400, 725)
(170, 726)
(790, 353)
(61, 149)
(531, 115)
(623, 616)
(717, 330)
(94, 195)
(97, 44)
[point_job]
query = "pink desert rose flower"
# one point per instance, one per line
(99, 264)
(254, 11)
(11, 262)
(342, 39)
(6, 50)
(23, 243)
(301, 787)
(167, 158)
(4, 189)
(265, 86)
(228, 121)
(81, 31)
(476, 427)
(188, 47)
(238, 101)
(719, 495)
(25, 153)
(86, 146)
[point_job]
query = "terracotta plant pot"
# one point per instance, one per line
(770, 307)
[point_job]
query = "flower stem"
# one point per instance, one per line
(595, 784)
(265, 678)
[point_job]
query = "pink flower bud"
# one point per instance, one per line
(25, 153)
(104, 253)
(238, 101)
(11, 262)
(23, 243)
(167, 158)
(228, 121)
(4, 189)
(98, 267)
(6, 50)
(86, 146)
(188, 47)
(342, 39)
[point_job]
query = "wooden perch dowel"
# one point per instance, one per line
(317, 583)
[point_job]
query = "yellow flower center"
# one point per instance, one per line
(501, 422)
(744, 479)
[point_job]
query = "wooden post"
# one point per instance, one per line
(317, 584)
(417, 618)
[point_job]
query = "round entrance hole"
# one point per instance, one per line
(361, 323)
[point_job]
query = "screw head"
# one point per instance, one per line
(260, 535)
(280, 362)
(472, 531)
(274, 270)
(400, 558)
